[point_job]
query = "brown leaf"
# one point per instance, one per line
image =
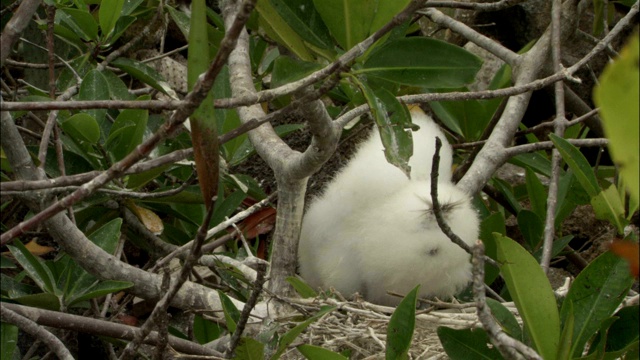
(627, 250)
(205, 153)
(150, 219)
(37, 249)
(259, 223)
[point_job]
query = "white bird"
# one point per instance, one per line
(373, 231)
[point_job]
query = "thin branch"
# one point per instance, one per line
(482, 41)
(86, 325)
(248, 307)
(30, 327)
(192, 101)
(437, 210)
(479, 6)
(163, 304)
(15, 26)
(509, 347)
(559, 124)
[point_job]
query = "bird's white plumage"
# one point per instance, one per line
(372, 231)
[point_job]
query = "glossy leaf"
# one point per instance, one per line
(422, 62)
(286, 70)
(386, 10)
(117, 88)
(108, 15)
(278, 29)
(494, 223)
(532, 294)
(578, 163)
(80, 22)
(313, 352)
(127, 131)
(537, 193)
(348, 21)
(100, 289)
(532, 228)
(304, 19)
(595, 294)
(95, 87)
(617, 96)
(33, 266)
(467, 118)
(505, 318)
(626, 330)
(204, 133)
(8, 341)
(205, 330)
(142, 72)
(566, 338)
(44, 300)
(82, 127)
(301, 287)
(292, 334)
(608, 206)
(401, 326)
(467, 344)
(391, 117)
(231, 313)
(249, 349)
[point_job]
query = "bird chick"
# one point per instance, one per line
(373, 230)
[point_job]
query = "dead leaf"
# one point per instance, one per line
(150, 219)
(627, 250)
(259, 223)
(37, 249)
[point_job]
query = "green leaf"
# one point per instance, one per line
(292, 334)
(100, 289)
(180, 19)
(82, 127)
(625, 330)
(33, 266)
(578, 163)
(537, 194)
(9, 341)
(127, 131)
(249, 349)
(301, 287)
(143, 73)
(391, 117)
(467, 118)
(386, 10)
(505, 318)
(109, 14)
(532, 294)
(204, 132)
(348, 21)
(205, 330)
(117, 88)
(313, 352)
(424, 62)
(608, 206)
(467, 344)
(6, 263)
(95, 87)
(286, 70)
(231, 313)
(227, 206)
(304, 19)
(278, 29)
(80, 22)
(617, 96)
(594, 295)
(45, 300)
(532, 228)
(566, 338)
(494, 223)
(537, 162)
(401, 326)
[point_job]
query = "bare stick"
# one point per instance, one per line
(39, 332)
(509, 347)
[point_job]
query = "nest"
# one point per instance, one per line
(360, 328)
